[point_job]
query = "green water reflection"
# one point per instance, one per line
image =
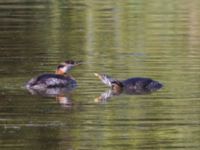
(156, 39)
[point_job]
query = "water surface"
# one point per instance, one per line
(156, 39)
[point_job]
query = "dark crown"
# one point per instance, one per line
(60, 66)
(118, 83)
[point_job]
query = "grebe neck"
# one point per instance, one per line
(59, 72)
(117, 86)
(65, 74)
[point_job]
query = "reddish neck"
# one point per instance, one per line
(60, 72)
(117, 89)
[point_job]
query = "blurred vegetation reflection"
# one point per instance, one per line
(156, 39)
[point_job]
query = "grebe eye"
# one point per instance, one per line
(113, 84)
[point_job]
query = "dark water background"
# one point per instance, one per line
(154, 38)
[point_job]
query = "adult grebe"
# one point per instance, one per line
(136, 85)
(60, 79)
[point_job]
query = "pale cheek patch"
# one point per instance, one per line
(64, 69)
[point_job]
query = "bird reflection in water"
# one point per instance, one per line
(107, 95)
(62, 95)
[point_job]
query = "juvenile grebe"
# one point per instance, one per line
(136, 85)
(60, 79)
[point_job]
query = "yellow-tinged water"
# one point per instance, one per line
(135, 38)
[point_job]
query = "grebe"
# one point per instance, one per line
(136, 85)
(61, 78)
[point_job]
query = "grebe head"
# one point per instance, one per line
(105, 79)
(117, 86)
(67, 66)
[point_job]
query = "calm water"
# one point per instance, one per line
(156, 39)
